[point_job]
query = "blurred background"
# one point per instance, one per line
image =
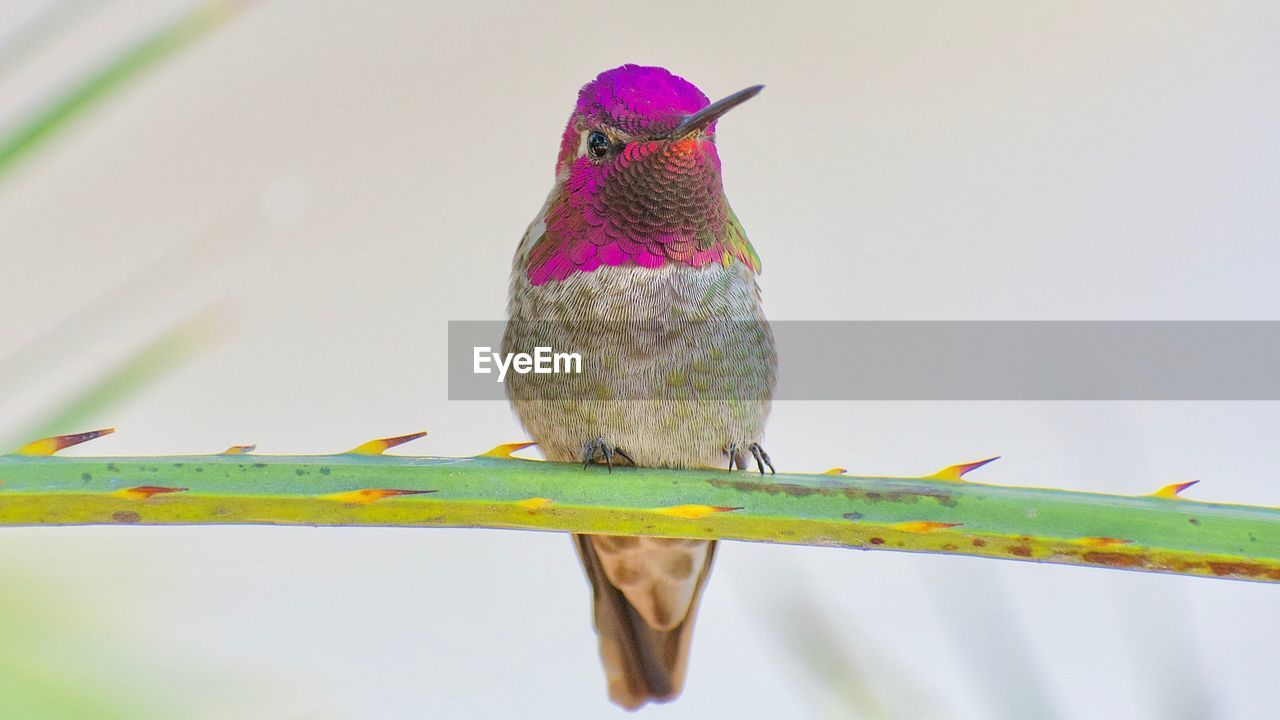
(249, 223)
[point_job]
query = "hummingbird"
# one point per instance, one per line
(637, 262)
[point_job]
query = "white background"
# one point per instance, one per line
(340, 179)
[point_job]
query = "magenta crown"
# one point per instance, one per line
(639, 100)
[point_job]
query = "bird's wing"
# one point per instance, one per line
(736, 244)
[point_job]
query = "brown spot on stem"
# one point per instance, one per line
(1020, 551)
(852, 492)
(1236, 568)
(979, 542)
(1113, 559)
(126, 517)
(877, 541)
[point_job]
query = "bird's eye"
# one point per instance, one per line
(597, 144)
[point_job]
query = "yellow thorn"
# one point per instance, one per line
(506, 450)
(239, 449)
(923, 526)
(143, 492)
(369, 495)
(533, 505)
(50, 445)
(835, 471)
(381, 445)
(693, 512)
(1096, 542)
(1171, 492)
(956, 473)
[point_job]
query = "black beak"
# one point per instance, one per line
(698, 121)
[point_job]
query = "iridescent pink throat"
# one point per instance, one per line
(656, 202)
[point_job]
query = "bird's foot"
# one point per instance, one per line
(598, 446)
(757, 452)
(762, 458)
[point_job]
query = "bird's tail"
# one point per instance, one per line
(642, 663)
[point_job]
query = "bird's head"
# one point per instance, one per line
(641, 110)
(638, 178)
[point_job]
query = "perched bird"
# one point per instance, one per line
(637, 263)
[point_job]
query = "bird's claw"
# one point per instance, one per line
(757, 452)
(762, 458)
(598, 446)
(625, 456)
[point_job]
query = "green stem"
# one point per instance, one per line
(1157, 534)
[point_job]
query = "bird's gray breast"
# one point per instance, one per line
(675, 355)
